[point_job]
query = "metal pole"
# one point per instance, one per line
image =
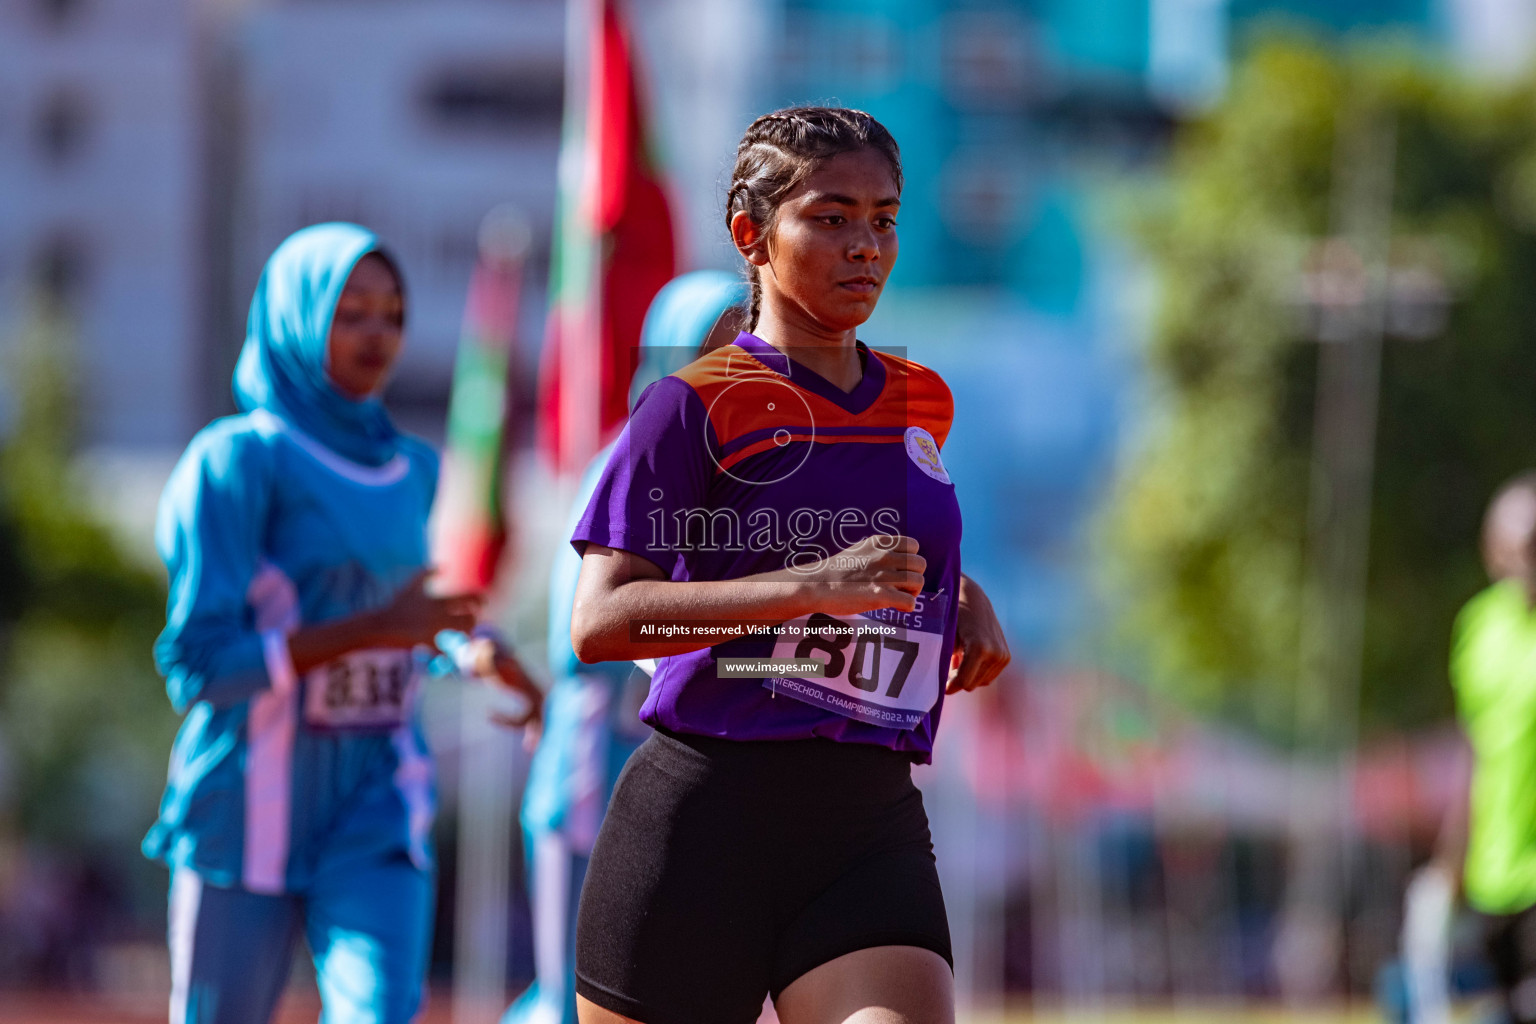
(1339, 521)
(581, 167)
(486, 782)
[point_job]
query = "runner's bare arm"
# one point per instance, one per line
(617, 588)
(413, 617)
(981, 649)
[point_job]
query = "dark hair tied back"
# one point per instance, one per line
(781, 148)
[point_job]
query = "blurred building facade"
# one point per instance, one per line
(414, 118)
(101, 201)
(155, 153)
(156, 150)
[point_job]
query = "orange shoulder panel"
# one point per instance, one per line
(927, 398)
(761, 399)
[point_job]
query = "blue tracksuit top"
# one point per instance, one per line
(259, 523)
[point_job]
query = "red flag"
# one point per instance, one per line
(613, 249)
(470, 527)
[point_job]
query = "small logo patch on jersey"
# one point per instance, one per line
(923, 450)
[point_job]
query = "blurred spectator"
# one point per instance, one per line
(1493, 654)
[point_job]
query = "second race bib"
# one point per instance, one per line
(882, 667)
(368, 690)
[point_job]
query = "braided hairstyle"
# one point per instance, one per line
(780, 149)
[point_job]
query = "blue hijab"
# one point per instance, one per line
(282, 365)
(678, 321)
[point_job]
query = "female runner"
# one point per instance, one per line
(768, 837)
(300, 791)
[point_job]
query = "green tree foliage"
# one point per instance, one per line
(83, 718)
(1207, 526)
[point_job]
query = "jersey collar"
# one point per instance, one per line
(856, 401)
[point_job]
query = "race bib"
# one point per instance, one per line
(882, 667)
(370, 690)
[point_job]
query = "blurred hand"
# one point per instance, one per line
(981, 650)
(501, 668)
(415, 617)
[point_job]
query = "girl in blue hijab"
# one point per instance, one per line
(300, 794)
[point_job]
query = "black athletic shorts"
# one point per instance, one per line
(725, 870)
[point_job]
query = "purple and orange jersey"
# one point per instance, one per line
(746, 462)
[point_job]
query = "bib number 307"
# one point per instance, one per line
(365, 690)
(882, 667)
